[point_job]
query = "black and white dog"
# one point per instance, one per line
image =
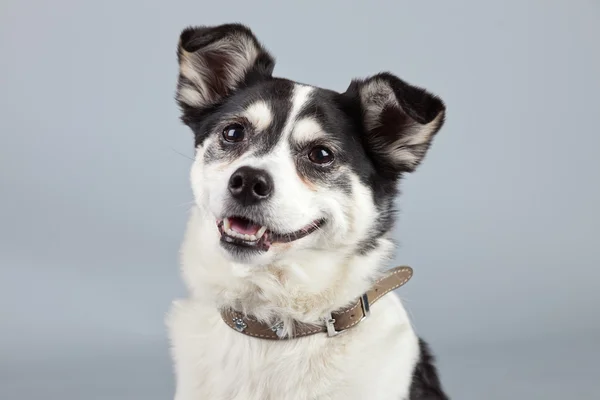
(294, 191)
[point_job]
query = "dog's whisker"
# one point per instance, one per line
(182, 155)
(187, 203)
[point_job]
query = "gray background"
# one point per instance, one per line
(501, 223)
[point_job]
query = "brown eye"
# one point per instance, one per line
(233, 133)
(320, 155)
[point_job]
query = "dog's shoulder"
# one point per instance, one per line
(426, 383)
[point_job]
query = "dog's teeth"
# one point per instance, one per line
(260, 232)
(233, 233)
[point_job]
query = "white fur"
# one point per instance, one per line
(303, 280)
(189, 96)
(307, 130)
(259, 114)
(300, 96)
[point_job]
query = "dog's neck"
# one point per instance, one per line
(313, 285)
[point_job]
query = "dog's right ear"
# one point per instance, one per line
(399, 120)
(215, 61)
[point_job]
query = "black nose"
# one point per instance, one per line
(250, 185)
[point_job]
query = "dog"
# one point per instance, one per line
(289, 234)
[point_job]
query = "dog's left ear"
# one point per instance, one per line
(215, 61)
(399, 121)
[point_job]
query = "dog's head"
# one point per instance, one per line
(284, 167)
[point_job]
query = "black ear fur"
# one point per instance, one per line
(399, 121)
(215, 61)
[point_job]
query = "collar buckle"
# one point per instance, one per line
(330, 321)
(365, 305)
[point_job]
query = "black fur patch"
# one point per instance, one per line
(426, 384)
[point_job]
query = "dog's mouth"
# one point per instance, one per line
(245, 233)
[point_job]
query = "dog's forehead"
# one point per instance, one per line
(283, 110)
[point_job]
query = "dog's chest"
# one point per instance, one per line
(374, 360)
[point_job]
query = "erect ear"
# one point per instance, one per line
(215, 61)
(399, 121)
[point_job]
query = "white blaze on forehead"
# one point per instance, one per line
(300, 96)
(259, 114)
(307, 130)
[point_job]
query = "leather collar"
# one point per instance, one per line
(334, 324)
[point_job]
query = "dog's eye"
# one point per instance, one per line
(233, 133)
(320, 155)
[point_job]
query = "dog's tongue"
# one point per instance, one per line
(244, 226)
